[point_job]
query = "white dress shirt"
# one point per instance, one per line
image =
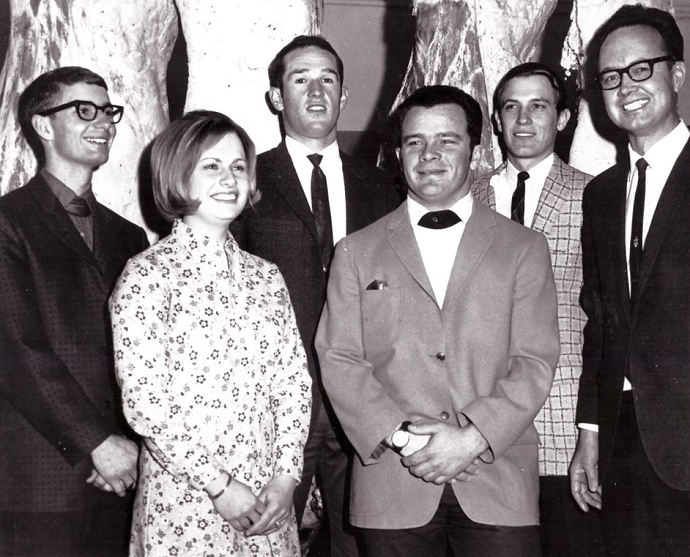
(660, 157)
(332, 167)
(439, 247)
(505, 184)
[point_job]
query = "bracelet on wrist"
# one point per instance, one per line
(214, 497)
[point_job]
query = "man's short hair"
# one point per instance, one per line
(40, 95)
(435, 95)
(276, 69)
(527, 70)
(630, 15)
(176, 151)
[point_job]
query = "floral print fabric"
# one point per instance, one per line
(213, 377)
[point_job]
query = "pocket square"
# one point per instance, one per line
(377, 285)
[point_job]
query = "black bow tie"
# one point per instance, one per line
(439, 219)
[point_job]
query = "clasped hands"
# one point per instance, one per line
(451, 453)
(115, 465)
(255, 515)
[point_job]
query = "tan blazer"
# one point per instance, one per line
(559, 217)
(489, 354)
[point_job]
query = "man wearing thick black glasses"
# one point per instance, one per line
(633, 455)
(63, 443)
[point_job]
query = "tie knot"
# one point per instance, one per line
(315, 159)
(523, 176)
(641, 165)
(439, 219)
(78, 207)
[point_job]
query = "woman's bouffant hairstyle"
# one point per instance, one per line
(176, 151)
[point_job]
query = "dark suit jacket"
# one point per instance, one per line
(58, 395)
(488, 354)
(281, 228)
(653, 339)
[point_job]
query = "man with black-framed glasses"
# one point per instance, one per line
(633, 455)
(62, 434)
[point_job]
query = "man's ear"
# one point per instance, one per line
(343, 97)
(563, 118)
(276, 98)
(42, 127)
(497, 119)
(678, 72)
(476, 157)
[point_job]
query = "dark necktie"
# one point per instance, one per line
(78, 207)
(636, 229)
(322, 210)
(517, 206)
(439, 219)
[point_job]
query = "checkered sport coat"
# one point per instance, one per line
(559, 217)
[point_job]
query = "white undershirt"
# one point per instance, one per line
(439, 247)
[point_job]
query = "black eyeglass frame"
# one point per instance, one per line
(114, 117)
(623, 71)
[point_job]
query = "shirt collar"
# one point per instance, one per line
(537, 174)
(665, 152)
(297, 149)
(64, 193)
(462, 208)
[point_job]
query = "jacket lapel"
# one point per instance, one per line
(551, 199)
(285, 179)
(475, 241)
(672, 199)
(105, 235)
(403, 242)
(56, 219)
(616, 222)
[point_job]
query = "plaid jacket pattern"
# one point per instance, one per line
(559, 217)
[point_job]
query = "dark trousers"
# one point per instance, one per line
(564, 529)
(99, 532)
(327, 455)
(641, 515)
(451, 532)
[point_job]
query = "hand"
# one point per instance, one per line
(277, 496)
(415, 443)
(450, 451)
(584, 471)
(96, 480)
(115, 461)
(469, 472)
(238, 505)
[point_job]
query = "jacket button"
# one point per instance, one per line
(441, 356)
(444, 415)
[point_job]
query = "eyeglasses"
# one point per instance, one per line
(639, 71)
(88, 111)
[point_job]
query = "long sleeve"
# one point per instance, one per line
(140, 310)
(290, 397)
(590, 300)
(37, 318)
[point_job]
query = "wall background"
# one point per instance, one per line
(375, 39)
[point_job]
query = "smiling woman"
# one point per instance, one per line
(212, 369)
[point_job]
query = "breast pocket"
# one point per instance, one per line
(381, 318)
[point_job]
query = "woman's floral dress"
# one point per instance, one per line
(213, 377)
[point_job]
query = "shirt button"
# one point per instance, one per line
(441, 356)
(444, 415)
